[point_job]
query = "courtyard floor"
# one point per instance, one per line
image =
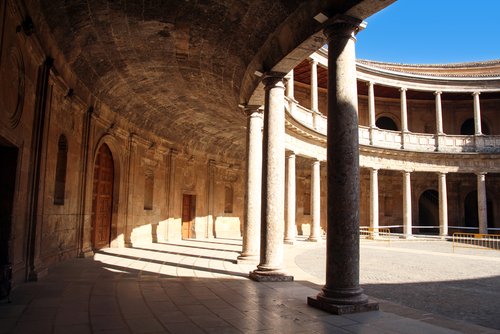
(195, 286)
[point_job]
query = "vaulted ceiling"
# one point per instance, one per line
(179, 68)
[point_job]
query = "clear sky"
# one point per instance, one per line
(432, 32)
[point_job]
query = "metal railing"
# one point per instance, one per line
(476, 240)
(375, 233)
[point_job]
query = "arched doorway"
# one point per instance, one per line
(468, 128)
(102, 198)
(386, 123)
(470, 211)
(428, 211)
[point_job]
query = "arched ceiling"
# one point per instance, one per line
(176, 67)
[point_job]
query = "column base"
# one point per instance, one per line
(289, 241)
(247, 259)
(408, 236)
(340, 309)
(313, 239)
(269, 276)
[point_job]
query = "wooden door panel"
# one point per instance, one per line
(102, 199)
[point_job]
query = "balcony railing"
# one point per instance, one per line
(409, 141)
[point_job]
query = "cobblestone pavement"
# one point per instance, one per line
(427, 275)
(195, 287)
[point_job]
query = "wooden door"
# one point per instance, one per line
(102, 198)
(188, 213)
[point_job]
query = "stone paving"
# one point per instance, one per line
(197, 287)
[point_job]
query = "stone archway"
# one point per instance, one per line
(102, 198)
(428, 211)
(386, 123)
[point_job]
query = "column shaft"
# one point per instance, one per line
(439, 114)
(374, 199)
(407, 223)
(270, 267)
(251, 224)
(314, 85)
(404, 111)
(477, 114)
(371, 104)
(482, 210)
(316, 202)
(290, 227)
(443, 206)
(341, 292)
(290, 85)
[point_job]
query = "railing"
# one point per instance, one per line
(375, 233)
(476, 240)
(419, 142)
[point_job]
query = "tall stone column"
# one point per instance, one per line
(482, 210)
(251, 224)
(443, 206)
(439, 113)
(374, 200)
(371, 109)
(290, 226)
(316, 202)
(314, 85)
(407, 224)
(404, 110)
(290, 85)
(477, 114)
(270, 267)
(341, 292)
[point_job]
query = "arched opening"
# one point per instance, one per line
(468, 128)
(62, 161)
(428, 212)
(8, 170)
(102, 198)
(386, 123)
(470, 211)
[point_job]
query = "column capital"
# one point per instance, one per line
(290, 154)
(442, 173)
(313, 61)
(481, 173)
(374, 169)
(475, 93)
(252, 109)
(370, 83)
(274, 80)
(438, 92)
(403, 89)
(343, 26)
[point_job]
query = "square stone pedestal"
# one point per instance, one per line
(342, 309)
(269, 277)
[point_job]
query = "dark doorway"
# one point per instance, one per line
(471, 218)
(8, 171)
(386, 123)
(188, 214)
(102, 198)
(468, 128)
(428, 212)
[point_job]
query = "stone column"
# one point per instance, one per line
(439, 114)
(314, 85)
(404, 111)
(316, 202)
(371, 109)
(407, 228)
(251, 224)
(374, 200)
(443, 206)
(342, 293)
(482, 210)
(290, 227)
(270, 267)
(290, 85)
(477, 114)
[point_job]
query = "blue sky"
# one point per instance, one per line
(432, 32)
